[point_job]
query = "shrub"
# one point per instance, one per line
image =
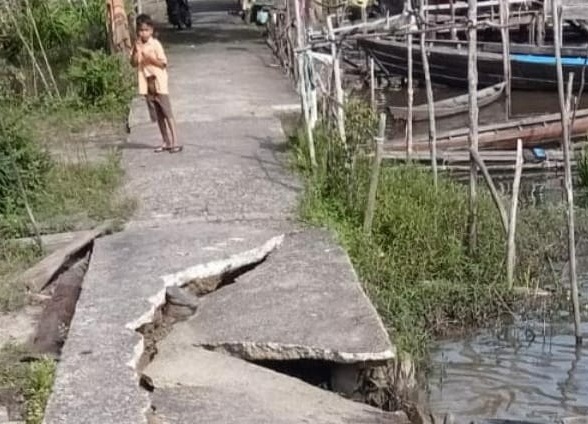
(101, 80)
(20, 156)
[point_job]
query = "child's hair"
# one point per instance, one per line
(144, 19)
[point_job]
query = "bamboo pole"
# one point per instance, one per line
(410, 88)
(473, 121)
(374, 177)
(495, 196)
(42, 48)
(372, 84)
(26, 45)
(364, 17)
(23, 192)
(430, 99)
(302, 86)
(512, 227)
(505, 37)
(337, 81)
(565, 122)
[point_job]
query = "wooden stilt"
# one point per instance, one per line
(302, 85)
(410, 88)
(375, 175)
(565, 106)
(473, 122)
(430, 99)
(505, 36)
(512, 225)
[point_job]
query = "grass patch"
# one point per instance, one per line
(415, 265)
(76, 196)
(26, 385)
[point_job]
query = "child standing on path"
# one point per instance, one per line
(149, 58)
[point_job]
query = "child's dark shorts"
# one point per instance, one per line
(159, 105)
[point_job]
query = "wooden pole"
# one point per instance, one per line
(302, 85)
(565, 122)
(364, 17)
(505, 36)
(410, 89)
(511, 245)
(453, 31)
(430, 99)
(495, 196)
(374, 177)
(473, 121)
(337, 81)
(372, 84)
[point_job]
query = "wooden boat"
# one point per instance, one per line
(452, 106)
(534, 131)
(449, 64)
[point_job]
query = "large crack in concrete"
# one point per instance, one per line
(155, 323)
(367, 377)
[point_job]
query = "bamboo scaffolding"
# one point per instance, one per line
(512, 225)
(374, 177)
(430, 99)
(473, 122)
(410, 88)
(505, 37)
(340, 112)
(302, 86)
(565, 107)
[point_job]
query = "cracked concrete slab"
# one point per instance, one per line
(192, 382)
(96, 381)
(304, 302)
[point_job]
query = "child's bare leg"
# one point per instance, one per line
(171, 123)
(163, 130)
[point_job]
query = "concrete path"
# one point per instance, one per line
(224, 204)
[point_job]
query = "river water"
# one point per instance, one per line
(527, 372)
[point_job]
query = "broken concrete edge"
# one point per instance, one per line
(259, 351)
(37, 277)
(200, 271)
(368, 301)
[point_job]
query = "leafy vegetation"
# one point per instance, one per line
(57, 86)
(415, 265)
(31, 381)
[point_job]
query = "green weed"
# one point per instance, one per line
(39, 381)
(415, 264)
(30, 381)
(100, 80)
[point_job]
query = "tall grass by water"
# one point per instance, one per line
(415, 264)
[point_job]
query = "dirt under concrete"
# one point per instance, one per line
(39, 332)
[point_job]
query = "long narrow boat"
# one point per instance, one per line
(452, 106)
(449, 65)
(533, 131)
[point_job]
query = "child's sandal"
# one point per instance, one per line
(161, 149)
(176, 149)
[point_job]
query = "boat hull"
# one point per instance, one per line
(449, 66)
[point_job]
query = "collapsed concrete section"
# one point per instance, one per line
(192, 383)
(305, 302)
(97, 381)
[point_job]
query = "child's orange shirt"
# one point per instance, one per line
(153, 48)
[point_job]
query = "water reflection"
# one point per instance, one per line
(532, 372)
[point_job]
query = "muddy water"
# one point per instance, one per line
(527, 372)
